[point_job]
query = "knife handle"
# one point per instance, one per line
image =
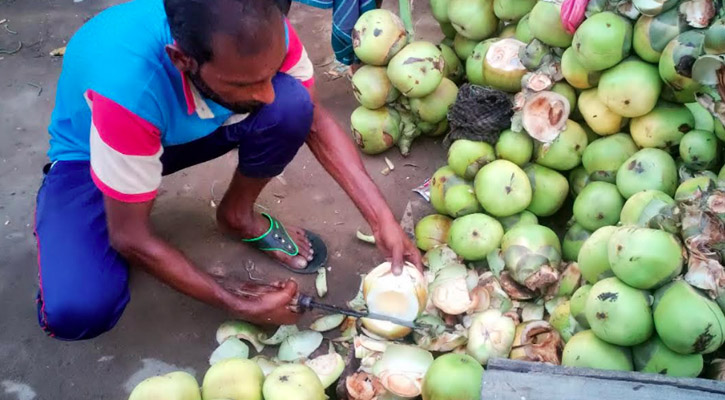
(304, 302)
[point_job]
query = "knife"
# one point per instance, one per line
(306, 303)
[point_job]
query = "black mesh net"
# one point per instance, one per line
(479, 113)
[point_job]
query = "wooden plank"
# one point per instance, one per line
(517, 380)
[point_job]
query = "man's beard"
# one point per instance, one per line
(238, 108)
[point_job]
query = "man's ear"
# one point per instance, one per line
(181, 61)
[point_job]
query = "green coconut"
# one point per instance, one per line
(449, 32)
(599, 204)
(516, 147)
(567, 91)
(603, 157)
(286, 381)
(503, 188)
(508, 31)
(652, 34)
(654, 357)
(600, 118)
(377, 36)
(575, 73)
(453, 376)
(372, 88)
(573, 241)
(647, 169)
(454, 69)
(631, 88)
(433, 130)
(619, 314)
(482, 26)
(703, 119)
(461, 200)
(532, 254)
(687, 321)
(565, 152)
(602, 41)
(512, 11)
(578, 304)
(562, 320)
(432, 231)
(417, 69)
(375, 131)
(463, 46)
(439, 9)
(233, 378)
(545, 25)
(502, 67)
(178, 385)
(719, 130)
(645, 258)
(715, 38)
(586, 350)
(692, 185)
(721, 175)
(474, 236)
(676, 64)
(523, 218)
(650, 209)
(474, 63)
(700, 150)
(433, 108)
(663, 127)
(550, 189)
(594, 255)
(523, 31)
(578, 179)
(466, 157)
(443, 179)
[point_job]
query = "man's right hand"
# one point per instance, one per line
(271, 304)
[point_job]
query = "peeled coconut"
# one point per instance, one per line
(602, 120)
(619, 314)
(654, 357)
(474, 62)
(603, 157)
(485, 23)
(503, 188)
(287, 380)
(537, 341)
(523, 31)
(647, 169)
(439, 9)
(516, 147)
(377, 36)
(599, 204)
(449, 290)
(602, 41)
(663, 127)
(372, 88)
(573, 241)
(402, 296)
(432, 231)
(652, 34)
(461, 200)
(491, 335)
(699, 150)
(234, 378)
(687, 321)
(575, 73)
(578, 304)
(565, 152)
(417, 69)
(453, 376)
(545, 116)
(545, 24)
(586, 350)
(434, 107)
(522, 218)
(676, 64)
(688, 188)
(594, 255)
(512, 11)
(402, 368)
(631, 88)
(466, 157)
(464, 47)
(532, 254)
(443, 179)
(502, 67)
(578, 179)
(328, 368)
(375, 131)
(649, 209)
(454, 69)
(177, 385)
(474, 236)
(550, 189)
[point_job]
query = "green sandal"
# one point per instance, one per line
(277, 239)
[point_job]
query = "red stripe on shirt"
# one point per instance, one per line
(123, 130)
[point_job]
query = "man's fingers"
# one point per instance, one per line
(397, 259)
(290, 288)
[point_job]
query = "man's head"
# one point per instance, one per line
(229, 49)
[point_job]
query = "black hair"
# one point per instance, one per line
(194, 22)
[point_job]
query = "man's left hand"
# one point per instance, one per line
(395, 244)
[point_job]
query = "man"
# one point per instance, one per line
(151, 87)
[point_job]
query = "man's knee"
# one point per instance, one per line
(70, 316)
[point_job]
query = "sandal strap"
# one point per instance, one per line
(275, 238)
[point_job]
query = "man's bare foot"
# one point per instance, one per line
(256, 225)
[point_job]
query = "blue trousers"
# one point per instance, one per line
(83, 281)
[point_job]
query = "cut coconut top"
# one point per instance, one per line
(698, 12)
(504, 55)
(402, 296)
(545, 115)
(706, 68)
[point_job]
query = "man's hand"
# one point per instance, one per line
(395, 244)
(268, 304)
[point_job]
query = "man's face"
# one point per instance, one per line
(241, 83)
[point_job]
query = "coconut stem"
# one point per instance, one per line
(406, 15)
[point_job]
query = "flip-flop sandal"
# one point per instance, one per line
(277, 239)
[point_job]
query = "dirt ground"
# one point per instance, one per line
(162, 330)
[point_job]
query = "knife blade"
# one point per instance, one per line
(306, 302)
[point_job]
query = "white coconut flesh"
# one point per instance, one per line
(402, 368)
(545, 115)
(328, 367)
(452, 297)
(503, 56)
